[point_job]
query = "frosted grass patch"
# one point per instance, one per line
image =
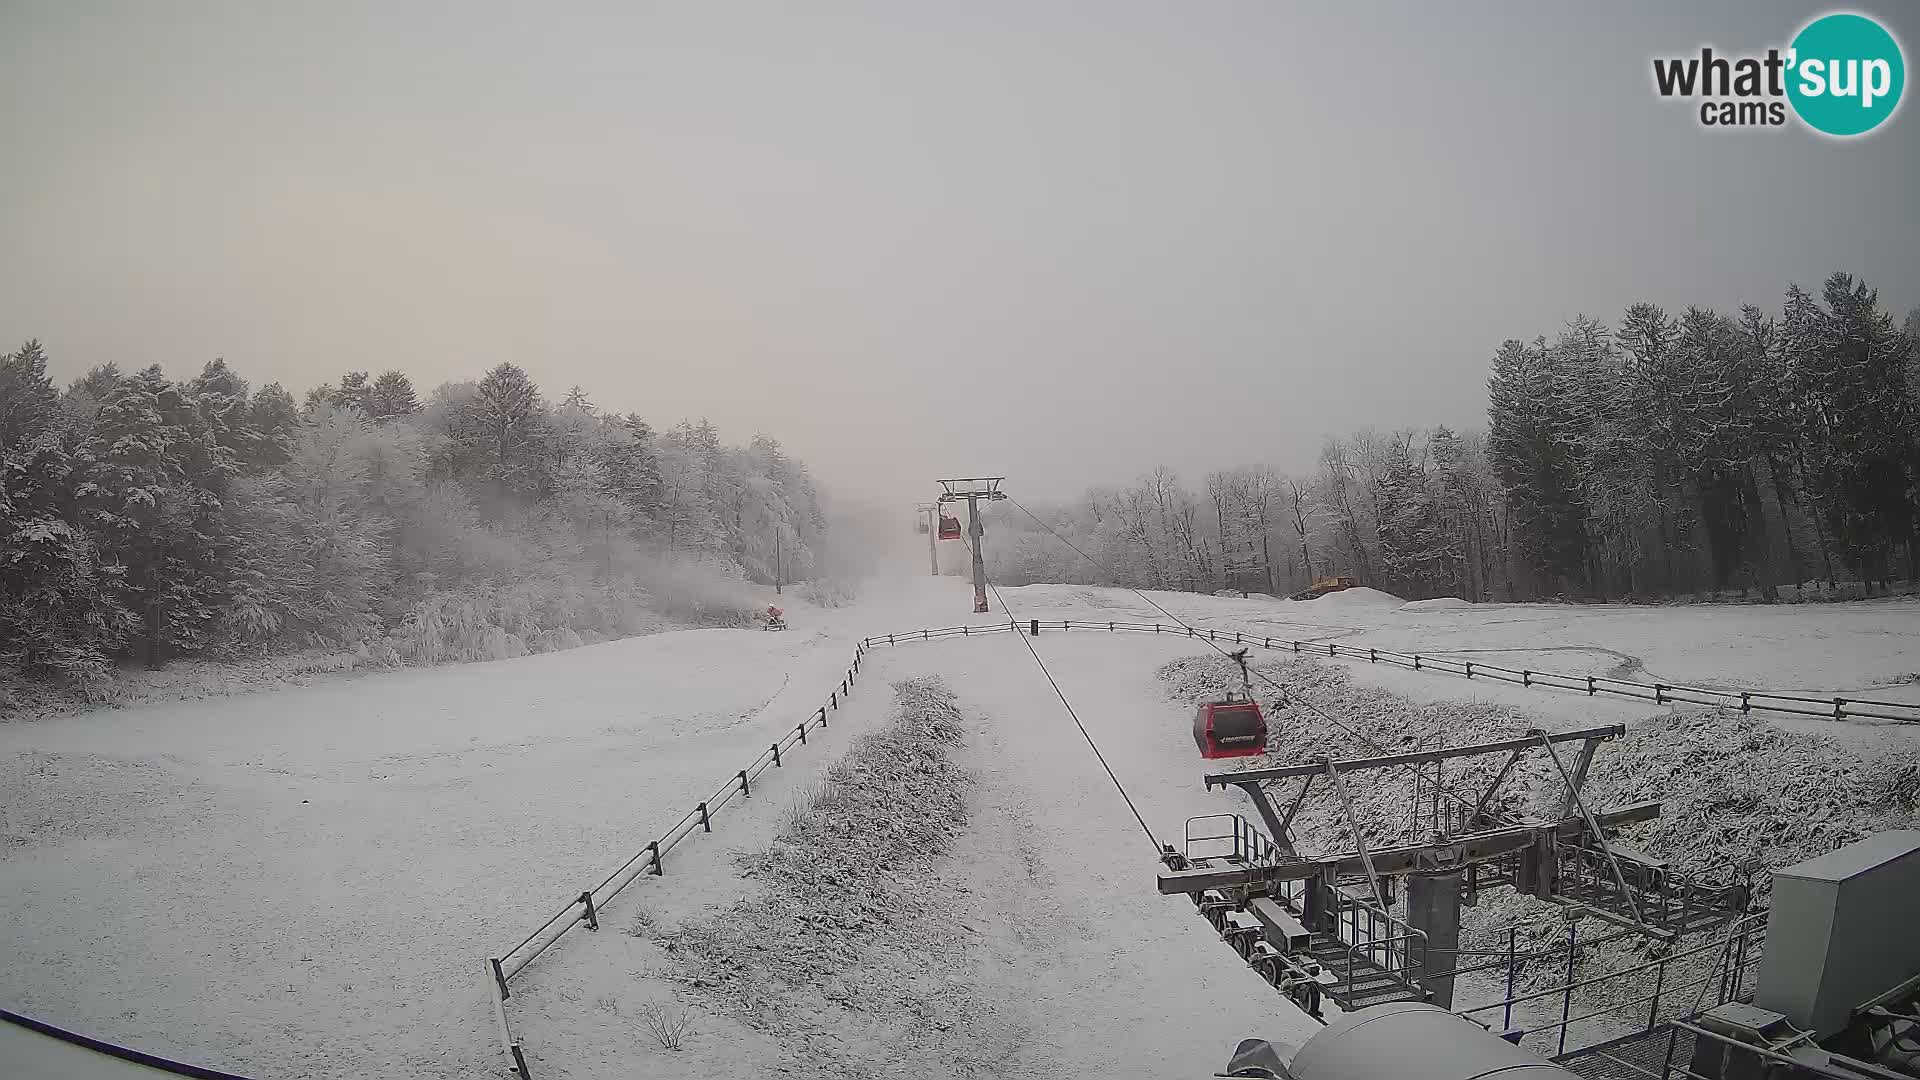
(848, 888)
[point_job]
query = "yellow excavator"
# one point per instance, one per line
(1323, 587)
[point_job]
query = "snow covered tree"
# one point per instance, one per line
(1242, 507)
(391, 397)
(275, 417)
(355, 392)
(97, 383)
(61, 610)
(27, 396)
(145, 517)
(684, 512)
(1866, 420)
(503, 428)
(1303, 514)
(632, 462)
(1342, 484)
(151, 475)
(220, 398)
(1465, 496)
(1418, 553)
(1530, 438)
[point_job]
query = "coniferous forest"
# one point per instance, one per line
(148, 518)
(1670, 455)
(1758, 455)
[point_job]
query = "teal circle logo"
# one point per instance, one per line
(1846, 74)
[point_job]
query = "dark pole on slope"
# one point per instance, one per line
(776, 560)
(933, 540)
(932, 511)
(979, 565)
(977, 488)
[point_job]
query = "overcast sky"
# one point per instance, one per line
(1060, 241)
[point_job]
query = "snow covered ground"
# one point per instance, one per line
(303, 882)
(1854, 648)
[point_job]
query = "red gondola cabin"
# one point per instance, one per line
(1226, 729)
(949, 527)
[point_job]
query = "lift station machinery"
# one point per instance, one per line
(1823, 985)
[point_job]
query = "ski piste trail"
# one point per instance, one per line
(303, 882)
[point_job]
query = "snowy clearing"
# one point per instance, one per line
(302, 882)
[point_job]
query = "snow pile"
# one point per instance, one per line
(1356, 599)
(1438, 603)
(848, 924)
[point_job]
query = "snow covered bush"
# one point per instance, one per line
(825, 592)
(499, 622)
(667, 1027)
(852, 867)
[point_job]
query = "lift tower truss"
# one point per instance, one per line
(1330, 916)
(972, 489)
(930, 524)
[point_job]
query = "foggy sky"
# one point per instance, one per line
(1060, 241)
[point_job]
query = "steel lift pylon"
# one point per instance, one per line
(972, 490)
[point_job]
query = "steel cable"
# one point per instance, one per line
(1061, 694)
(1288, 693)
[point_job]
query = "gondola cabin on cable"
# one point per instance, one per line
(920, 526)
(1234, 727)
(949, 527)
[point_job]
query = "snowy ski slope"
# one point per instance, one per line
(302, 882)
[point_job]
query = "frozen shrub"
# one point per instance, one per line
(825, 592)
(668, 1028)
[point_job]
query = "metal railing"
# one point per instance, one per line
(1746, 701)
(1662, 898)
(1246, 842)
(1389, 944)
(585, 908)
(1636, 998)
(1373, 942)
